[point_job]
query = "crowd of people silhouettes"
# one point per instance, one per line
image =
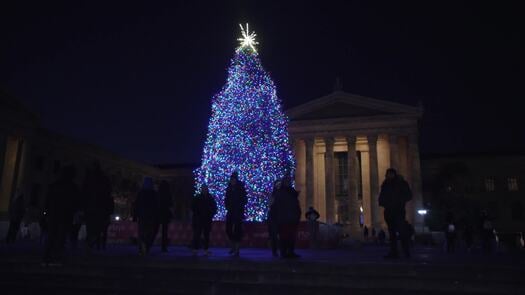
(69, 206)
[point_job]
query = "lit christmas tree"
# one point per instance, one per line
(247, 133)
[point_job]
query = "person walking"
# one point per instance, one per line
(381, 237)
(468, 236)
(288, 213)
(395, 193)
(450, 233)
(78, 220)
(273, 229)
(486, 232)
(146, 212)
(165, 212)
(16, 215)
(313, 226)
(365, 233)
(204, 209)
(235, 202)
(98, 207)
(60, 207)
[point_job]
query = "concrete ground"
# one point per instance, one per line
(360, 270)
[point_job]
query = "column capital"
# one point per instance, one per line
(351, 139)
(372, 139)
(413, 138)
(329, 141)
(309, 141)
(392, 138)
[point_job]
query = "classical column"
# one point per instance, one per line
(374, 180)
(353, 199)
(415, 167)
(329, 177)
(394, 151)
(309, 145)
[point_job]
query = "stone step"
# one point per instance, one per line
(284, 270)
(135, 277)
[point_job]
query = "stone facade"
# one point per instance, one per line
(31, 158)
(343, 145)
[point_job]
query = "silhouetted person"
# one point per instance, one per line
(486, 232)
(288, 214)
(17, 210)
(204, 208)
(395, 193)
(98, 205)
(365, 232)
(450, 233)
(381, 237)
(61, 205)
(374, 233)
(43, 223)
(165, 212)
(468, 236)
(235, 201)
(411, 231)
(273, 228)
(78, 219)
(146, 213)
(313, 226)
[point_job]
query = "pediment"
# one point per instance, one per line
(346, 105)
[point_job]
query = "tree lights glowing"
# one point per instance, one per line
(247, 133)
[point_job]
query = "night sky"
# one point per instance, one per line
(137, 78)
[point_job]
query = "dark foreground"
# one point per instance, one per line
(119, 270)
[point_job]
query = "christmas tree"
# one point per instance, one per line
(247, 133)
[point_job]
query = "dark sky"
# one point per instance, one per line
(137, 77)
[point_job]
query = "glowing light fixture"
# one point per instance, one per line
(422, 212)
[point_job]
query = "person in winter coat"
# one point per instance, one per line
(98, 207)
(486, 232)
(450, 233)
(60, 207)
(165, 212)
(204, 208)
(288, 214)
(235, 202)
(16, 214)
(395, 193)
(313, 226)
(146, 212)
(273, 229)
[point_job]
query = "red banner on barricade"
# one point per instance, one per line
(181, 233)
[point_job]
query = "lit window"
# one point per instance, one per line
(512, 183)
(489, 184)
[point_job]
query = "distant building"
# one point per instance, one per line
(31, 158)
(465, 184)
(344, 143)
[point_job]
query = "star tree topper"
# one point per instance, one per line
(248, 39)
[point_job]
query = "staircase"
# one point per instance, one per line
(187, 275)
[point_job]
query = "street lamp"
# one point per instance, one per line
(422, 213)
